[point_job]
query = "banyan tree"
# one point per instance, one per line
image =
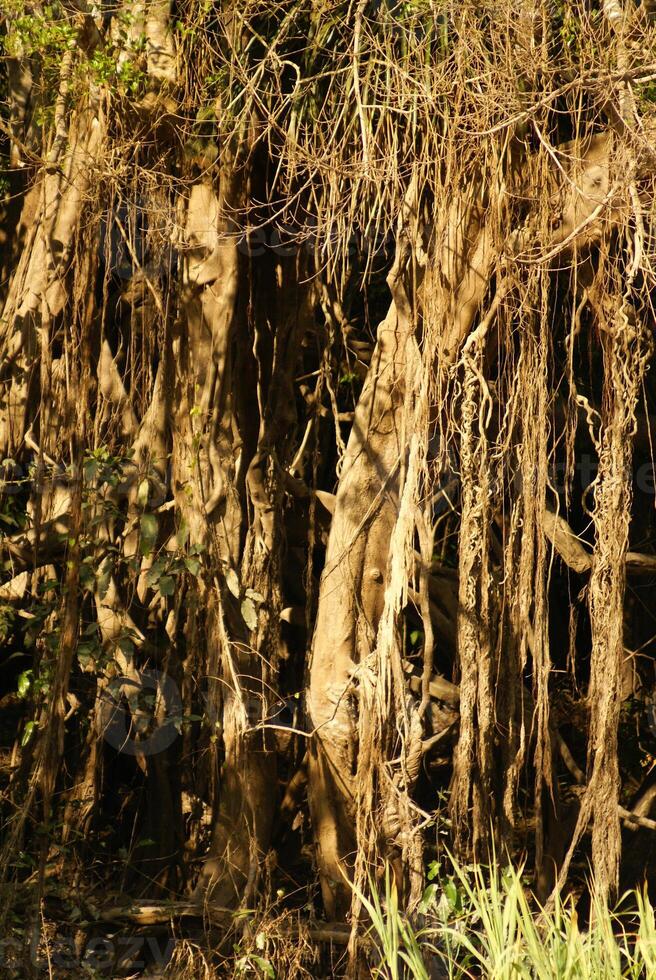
(327, 514)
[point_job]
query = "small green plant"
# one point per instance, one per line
(398, 944)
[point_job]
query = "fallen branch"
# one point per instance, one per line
(160, 913)
(630, 818)
(438, 687)
(578, 558)
(565, 542)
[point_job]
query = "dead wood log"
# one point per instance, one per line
(576, 556)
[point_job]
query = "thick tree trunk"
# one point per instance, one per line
(351, 601)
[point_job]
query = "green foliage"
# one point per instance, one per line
(416, 638)
(118, 65)
(28, 732)
(484, 922)
(7, 620)
(12, 513)
(253, 965)
(148, 528)
(165, 571)
(399, 945)
(24, 683)
(109, 482)
(48, 32)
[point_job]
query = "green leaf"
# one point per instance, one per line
(154, 574)
(192, 565)
(142, 493)
(232, 581)
(265, 966)
(27, 734)
(24, 683)
(428, 898)
(249, 613)
(87, 577)
(126, 646)
(182, 535)
(86, 653)
(103, 577)
(452, 895)
(166, 585)
(149, 527)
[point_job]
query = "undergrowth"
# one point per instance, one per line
(484, 922)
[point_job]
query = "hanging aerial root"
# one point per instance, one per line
(525, 561)
(471, 786)
(627, 348)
